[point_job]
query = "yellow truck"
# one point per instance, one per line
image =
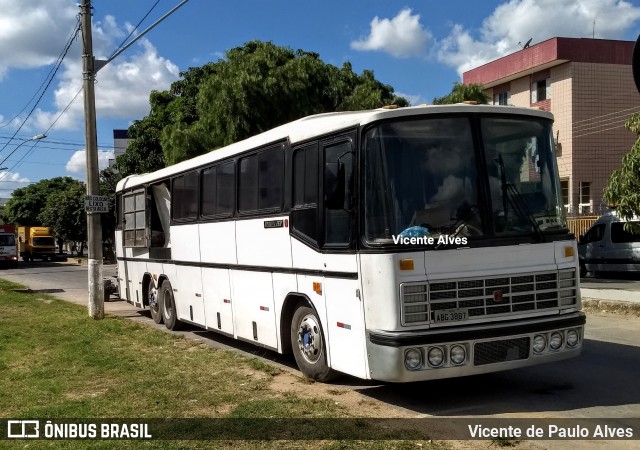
(36, 243)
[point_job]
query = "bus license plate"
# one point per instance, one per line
(450, 315)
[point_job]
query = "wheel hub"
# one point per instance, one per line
(309, 339)
(153, 297)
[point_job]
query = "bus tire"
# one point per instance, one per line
(153, 297)
(168, 307)
(308, 345)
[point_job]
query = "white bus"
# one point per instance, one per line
(393, 244)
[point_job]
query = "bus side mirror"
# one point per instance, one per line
(334, 185)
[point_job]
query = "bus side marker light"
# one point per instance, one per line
(346, 326)
(264, 308)
(406, 264)
(568, 251)
(317, 287)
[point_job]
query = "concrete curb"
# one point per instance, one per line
(611, 306)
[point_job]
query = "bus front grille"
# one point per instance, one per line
(500, 351)
(487, 297)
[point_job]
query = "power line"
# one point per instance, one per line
(134, 29)
(64, 53)
(51, 73)
(608, 114)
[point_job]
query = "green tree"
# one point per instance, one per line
(109, 178)
(175, 107)
(463, 92)
(64, 213)
(623, 189)
(260, 86)
(27, 203)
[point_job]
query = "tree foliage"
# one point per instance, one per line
(64, 212)
(623, 189)
(27, 203)
(256, 87)
(463, 92)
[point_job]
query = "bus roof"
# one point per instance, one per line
(319, 125)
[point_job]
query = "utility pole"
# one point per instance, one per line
(94, 225)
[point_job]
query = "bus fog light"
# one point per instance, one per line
(572, 338)
(457, 354)
(539, 343)
(555, 342)
(412, 359)
(435, 356)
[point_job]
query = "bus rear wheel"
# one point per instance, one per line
(153, 298)
(308, 345)
(168, 307)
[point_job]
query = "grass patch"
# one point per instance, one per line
(264, 367)
(56, 362)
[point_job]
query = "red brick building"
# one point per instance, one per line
(588, 85)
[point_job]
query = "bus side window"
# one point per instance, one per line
(304, 214)
(338, 217)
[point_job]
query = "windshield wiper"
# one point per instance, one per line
(512, 196)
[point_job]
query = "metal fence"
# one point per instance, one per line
(580, 224)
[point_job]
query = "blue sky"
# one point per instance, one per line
(420, 47)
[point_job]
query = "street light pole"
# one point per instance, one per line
(94, 225)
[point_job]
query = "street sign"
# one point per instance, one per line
(96, 203)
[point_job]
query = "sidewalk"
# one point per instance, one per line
(626, 301)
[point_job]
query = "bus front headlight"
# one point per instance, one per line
(435, 356)
(539, 343)
(572, 338)
(555, 341)
(457, 354)
(412, 359)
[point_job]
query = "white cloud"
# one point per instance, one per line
(10, 181)
(33, 33)
(122, 89)
(77, 164)
(517, 21)
(402, 36)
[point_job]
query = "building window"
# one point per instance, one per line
(540, 90)
(501, 98)
(564, 188)
(586, 204)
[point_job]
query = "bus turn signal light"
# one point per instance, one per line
(406, 264)
(317, 287)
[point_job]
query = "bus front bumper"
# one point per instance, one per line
(460, 351)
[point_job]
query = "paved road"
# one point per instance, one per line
(603, 382)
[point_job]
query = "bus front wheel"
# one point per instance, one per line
(168, 307)
(153, 298)
(308, 345)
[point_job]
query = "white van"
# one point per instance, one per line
(608, 247)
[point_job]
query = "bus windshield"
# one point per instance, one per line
(429, 177)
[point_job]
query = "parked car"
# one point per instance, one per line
(608, 247)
